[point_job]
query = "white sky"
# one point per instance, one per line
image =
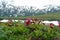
(35, 3)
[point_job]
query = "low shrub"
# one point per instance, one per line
(32, 32)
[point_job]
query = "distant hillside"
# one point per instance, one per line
(22, 11)
(50, 12)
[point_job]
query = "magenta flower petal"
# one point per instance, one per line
(51, 25)
(27, 22)
(59, 24)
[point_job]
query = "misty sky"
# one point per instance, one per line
(34, 3)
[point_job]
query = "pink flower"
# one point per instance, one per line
(59, 24)
(27, 22)
(51, 25)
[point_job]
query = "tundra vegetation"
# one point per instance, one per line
(18, 31)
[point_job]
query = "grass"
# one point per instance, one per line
(49, 16)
